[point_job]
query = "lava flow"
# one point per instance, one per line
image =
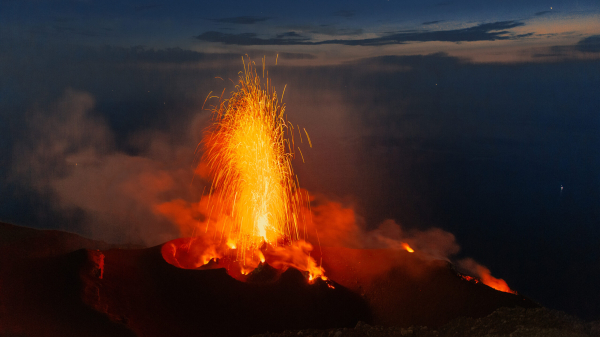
(254, 203)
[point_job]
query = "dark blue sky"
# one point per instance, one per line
(468, 116)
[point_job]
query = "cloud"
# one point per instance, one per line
(297, 56)
(585, 48)
(589, 44)
(431, 22)
(332, 30)
(482, 32)
(325, 29)
(249, 39)
(289, 35)
(542, 13)
(242, 20)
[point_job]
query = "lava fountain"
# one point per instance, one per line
(254, 202)
(249, 159)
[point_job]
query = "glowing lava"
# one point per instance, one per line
(249, 159)
(492, 282)
(255, 201)
(489, 280)
(407, 247)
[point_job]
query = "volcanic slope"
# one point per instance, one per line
(513, 322)
(55, 283)
(405, 289)
(40, 289)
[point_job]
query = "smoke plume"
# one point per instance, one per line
(71, 154)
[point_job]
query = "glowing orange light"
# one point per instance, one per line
(249, 159)
(489, 280)
(255, 200)
(492, 282)
(407, 247)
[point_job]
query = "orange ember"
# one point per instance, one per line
(407, 247)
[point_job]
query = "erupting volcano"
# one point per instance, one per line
(245, 254)
(254, 203)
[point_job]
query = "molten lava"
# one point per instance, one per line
(492, 282)
(253, 180)
(407, 247)
(254, 203)
(489, 280)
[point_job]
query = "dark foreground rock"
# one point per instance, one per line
(54, 283)
(405, 289)
(513, 322)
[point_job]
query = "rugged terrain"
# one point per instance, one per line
(55, 283)
(514, 322)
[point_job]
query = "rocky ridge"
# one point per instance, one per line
(505, 322)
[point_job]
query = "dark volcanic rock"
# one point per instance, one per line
(264, 273)
(159, 299)
(515, 322)
(405, 289)
(40, 289)
(54, 283)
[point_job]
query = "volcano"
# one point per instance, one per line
(55, 283)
